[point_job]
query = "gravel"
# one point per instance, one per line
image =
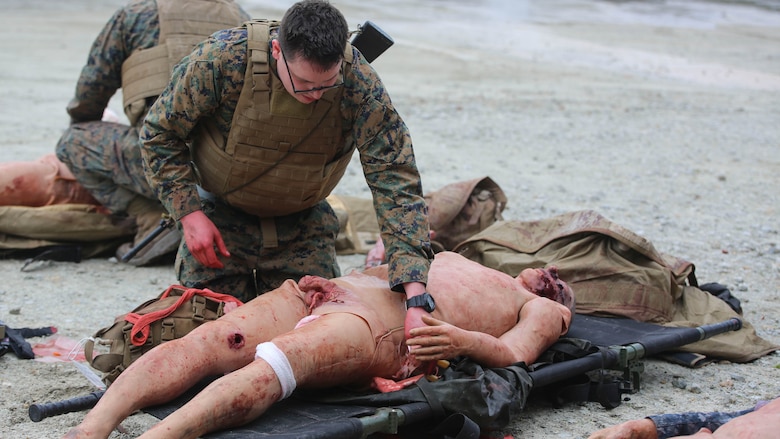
(662, 116)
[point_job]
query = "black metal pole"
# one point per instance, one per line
(610, 357)
(38, 412)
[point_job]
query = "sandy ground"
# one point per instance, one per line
(663, 116)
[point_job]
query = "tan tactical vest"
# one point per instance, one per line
(281, 156)
(183, 24)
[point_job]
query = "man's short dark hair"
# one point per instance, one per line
(314, 30)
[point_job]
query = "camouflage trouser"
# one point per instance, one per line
(306, 245)
(106, 159)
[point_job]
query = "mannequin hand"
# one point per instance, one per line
(437, 340)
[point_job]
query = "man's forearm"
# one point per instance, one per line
(683, 424)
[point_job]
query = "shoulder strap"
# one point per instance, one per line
(257, 73)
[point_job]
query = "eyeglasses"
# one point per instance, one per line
(310, 90)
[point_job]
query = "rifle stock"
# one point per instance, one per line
(164, 224)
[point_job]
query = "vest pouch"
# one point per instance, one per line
(277, 159)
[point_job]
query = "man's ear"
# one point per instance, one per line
(276, 49)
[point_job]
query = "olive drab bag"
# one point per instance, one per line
(358, 228)
(28, 231)
(176, 312)
(456, 212)
(459, 210)
(615, 272)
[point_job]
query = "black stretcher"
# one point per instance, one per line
(622, 343)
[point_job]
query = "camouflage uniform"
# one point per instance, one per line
(105, 157)
(207, 85)
(683, 424)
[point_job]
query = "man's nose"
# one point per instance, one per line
(316, 95)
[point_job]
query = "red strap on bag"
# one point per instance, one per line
(141, 323)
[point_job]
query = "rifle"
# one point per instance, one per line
(388, 419)
(164, 224)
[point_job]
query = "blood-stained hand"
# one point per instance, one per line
(437, 340)
(414, 319)
(202, 236)
(413, 314)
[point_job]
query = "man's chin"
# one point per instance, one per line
(305, 99)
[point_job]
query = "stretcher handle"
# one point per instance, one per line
(39, 412)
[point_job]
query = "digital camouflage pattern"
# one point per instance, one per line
(208, 83)
(306, 246)
(683, 424)
(133, 27)
(105, 156)
(106, 159)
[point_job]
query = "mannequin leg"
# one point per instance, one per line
(171, 368)
(332, 350)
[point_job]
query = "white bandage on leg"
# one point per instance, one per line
(281, 366)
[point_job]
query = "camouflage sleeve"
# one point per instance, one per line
(386, 153)
(204, 85)
(683, 424)
(134, 27)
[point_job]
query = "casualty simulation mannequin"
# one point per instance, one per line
(347, 330)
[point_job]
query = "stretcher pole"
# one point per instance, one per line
(622, 356)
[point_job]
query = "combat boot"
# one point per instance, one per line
(149, 215)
